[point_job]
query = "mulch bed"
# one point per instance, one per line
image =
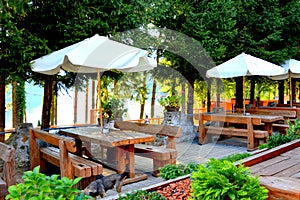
(176, 190)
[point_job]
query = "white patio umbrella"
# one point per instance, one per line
(93, 55)
(292, 70)
(244, 65)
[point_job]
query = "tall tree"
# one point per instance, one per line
(18, 47)
(63, 23)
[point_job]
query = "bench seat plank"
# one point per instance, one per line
(230, 131)
(155, 152)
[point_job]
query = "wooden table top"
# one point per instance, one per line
(264, 118)
(112, 139)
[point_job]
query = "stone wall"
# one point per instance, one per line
(178, 119)
(20, 141)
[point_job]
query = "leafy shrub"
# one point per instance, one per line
(294, 129)
(236, 157)
(142, 194)
(38, 186)
(276, 139)
(172, 171)
(223, 180)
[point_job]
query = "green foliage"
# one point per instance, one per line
(276, 139)
(172, 171)
(114, 108)
(38, 186)
(223, 180)
(294, 128)
(142, 194)
(235, 157)
(170, 100)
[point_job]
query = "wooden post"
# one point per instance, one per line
(66, 169)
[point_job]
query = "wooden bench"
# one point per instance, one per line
(8, 177)
(161, 155)
(253, 136)
(288, 113)
(60, 151)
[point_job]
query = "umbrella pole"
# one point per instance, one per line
(99, 98)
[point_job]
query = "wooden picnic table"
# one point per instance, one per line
(122, 141)
(268, 120)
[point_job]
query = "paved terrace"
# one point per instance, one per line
(187, 152)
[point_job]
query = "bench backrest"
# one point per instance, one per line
(53, 139)
(64, 143)
(274, 112)
(157, 129)
(228, 118)
(9, 171)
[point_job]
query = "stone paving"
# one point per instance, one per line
(187, 152)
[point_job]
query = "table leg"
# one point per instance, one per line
(125, 155)
(120, 160)
(269, 128)
(130, 154)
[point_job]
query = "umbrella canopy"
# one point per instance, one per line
(292, 69)
(92, 55)
(244, 65)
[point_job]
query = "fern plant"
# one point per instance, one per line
(224, 180)
(38, 186)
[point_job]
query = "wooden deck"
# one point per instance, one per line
(278, 170)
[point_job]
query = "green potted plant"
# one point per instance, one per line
(114, 108)
(170, 102)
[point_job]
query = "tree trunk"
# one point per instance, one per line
(75, 104)
(208, 95)
(153, 98)
(252, 90)
(239, 92)
(86, 102)
(54, 105)
(48, 87)
(293, 90)
(218, 91)
(143, 100)
(93, 95)
(190, 102)
(281, 91)
(14, 104)
(2, 107)
(183, 103)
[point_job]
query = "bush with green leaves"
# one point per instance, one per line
(222, 179)
(142, 194)
(172, 171)
(276, 139)
(236, 157)
(38, 186)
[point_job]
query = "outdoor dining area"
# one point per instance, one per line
(114, 148)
